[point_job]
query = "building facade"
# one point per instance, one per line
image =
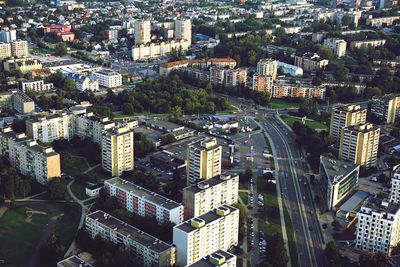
(51, 128)
(267, 66)
(142, 32)
(19, 48)
(183, 30)
(117, 150)
(109, 79)
(198, 237)
(89, 126)
(283, 90)
(203, 160)
(262, 83)
(5, 50)
(144, 202)
(209, 194)
(343, 116)
(386, 107)
(359, 144)
(218, 258)
(35, 86)
(395, 186)
(144, 249)
(338, 46)
(310, 62)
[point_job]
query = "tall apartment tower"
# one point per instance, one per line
(183, 30)
(196, 238)
(117, 150)
(142, 32)
(359, 144)
(395, 188)
(343, 116)
(203, 160)
(267, 66)
(5, 50)
(386, 107)
(19, 48)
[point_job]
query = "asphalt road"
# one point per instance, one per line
(296, 193)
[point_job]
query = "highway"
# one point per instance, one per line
(295, 192)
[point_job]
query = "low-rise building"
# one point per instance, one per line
(337, 180)
(42, 163)
(381, 21)
(367, 43)
(23, 64)
(215, 230)
(83, 82)
(282, 90)
(109, 79)
(35, 86)
(145, 250)
(73, 261)
(210, 194)
(143, 202)
(310, 62)
(386, 107)
(94, 190)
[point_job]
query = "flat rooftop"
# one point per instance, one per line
(128, 230)
(207, 218)
(210, 182)
(143, 193)
(205, 262)
(107, 72)
(73, 261)
(337, 169)
(352, 203)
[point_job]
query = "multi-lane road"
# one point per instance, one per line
(295, 192)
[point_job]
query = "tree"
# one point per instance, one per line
(66, 160)
(51, 252)
(246, 176)
(69, 84)
(277, 254)
(332, 254)
(373, 260)
(128, 109)
(60, 49)
(372, 91)
(57, 188)
(167, 139)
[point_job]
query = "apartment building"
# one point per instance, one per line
(386, 107)
(156, 50)
(84, 82)
(310, 62)
(42, 163)
(168, 67)
(35, 86)
(338, 46)
(337, 180)
(109, 79)
(19, 48)
(22, 103)
(23, 64)
(142, 32)
(395, 188)
(89, 126)
(62, 31)
(144, 249)
(50, 128)
(218, 258)
(267, 66)
(262, 83)
(359, 144)
(215, 230)
(143, 202)
(283, 90)
(6, 100)
(183, 30)
(8, 36)
(228, 77)
(203, 160)
(381, 21)
(367, 43)
(117, 150)
(209, 194)
(5, 50)
(378, 227)
(346, 115)
(290, 69)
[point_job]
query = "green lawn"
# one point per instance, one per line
(19, 235)
(78, 190)
(289, 120)
(290, 233)
(244, 196)
(77, 166)
(282, 104)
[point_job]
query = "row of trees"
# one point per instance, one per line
(12, 184)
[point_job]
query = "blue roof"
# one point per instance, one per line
(80, 78)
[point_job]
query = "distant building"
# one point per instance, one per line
(35, 86)
(5, 50)
(228, 77)
(145, 250)
(143, 202)
(83, 82)
(381, 21)
(109, 79)
(218, 258)
(290, 69)
(201, 236)
(378, 226)
(62, 31)
(8, 36)
(166, 68)
(359, 144)
(23, 64)
(22, 103)
(367, 43)
(73, 261)
(338, 46)
(310, 62)
(281, 90)
(89, 126)
(337, 179)
(386, 107)
(142, 32)
(203, 160)
(19, 48)
(50, 128)
(267, 66)
(343, 116)
(117, 150)
(183, 30)
(42, 163)
(395, 188)
(262, 83)
(147, 51)
(209, 194)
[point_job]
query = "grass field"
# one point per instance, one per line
(244, 196)
(78, 164)
(289, 120)
(290, 234)
(282, 104)
(19, 235)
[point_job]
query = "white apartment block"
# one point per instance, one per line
(218, 258)
(201, 236)
(50, 128)
(155, 50)
(5, 50)
(209, 194)
(42, 163)
(89, 126)
(183, 30)
(142, 32)
(144, 202)
(145, 250)
(36, 86)
(338, 46)
(267, 66)
(395, 189)
(203, 160)
(378, 227)
(117, 150)
(109, 79)
(19, 48)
